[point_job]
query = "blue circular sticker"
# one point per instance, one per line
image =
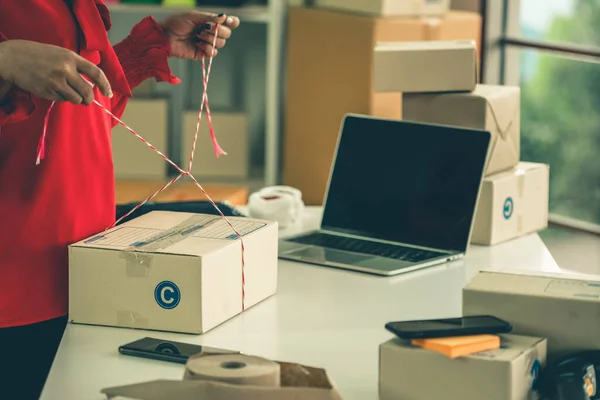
(507, 210)
(167, 295)
(535, 371)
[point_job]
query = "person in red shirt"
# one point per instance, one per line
(45, 47)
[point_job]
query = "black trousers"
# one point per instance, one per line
(26, 356)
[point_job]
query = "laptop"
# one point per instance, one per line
(401, 196)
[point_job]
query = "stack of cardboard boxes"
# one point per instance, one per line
(331, 71)
(514, 196)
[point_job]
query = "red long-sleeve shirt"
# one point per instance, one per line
(70, 195)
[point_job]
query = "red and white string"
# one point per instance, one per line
(218, 151)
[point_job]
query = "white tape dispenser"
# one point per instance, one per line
(277, 203)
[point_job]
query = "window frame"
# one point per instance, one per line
(501, 46)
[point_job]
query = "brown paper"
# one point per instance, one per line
(298, 382)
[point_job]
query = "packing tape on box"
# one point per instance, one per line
(131, 319)
(138, 257)
(234, 369)
(137, 264)
(277, 203)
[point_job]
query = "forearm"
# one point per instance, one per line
(144, 54)
(15, 104)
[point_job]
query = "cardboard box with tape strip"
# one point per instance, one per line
(404, 8)
(341, 80)
(562, 308)
(489, 107)
(512, 204)
(172, 271)
(508, 373)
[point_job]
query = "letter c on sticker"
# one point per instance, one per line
(167, 295)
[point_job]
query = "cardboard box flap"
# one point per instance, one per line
(503, 108)
(205, 390)
(419, 46)
(173, 233)
(546, 285)
(520, 170)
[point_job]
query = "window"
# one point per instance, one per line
(551, 48)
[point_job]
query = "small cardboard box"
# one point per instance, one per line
(560, 308)
(171, 271)
(512, 204)
(421, 67)
(231, 131)
(298, 382)
(132, 158)
(397, 8)
(508, 373)
(489, 107)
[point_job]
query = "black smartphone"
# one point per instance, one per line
(166, 350)
(436, 328)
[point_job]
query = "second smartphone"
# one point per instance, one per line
(437, 328)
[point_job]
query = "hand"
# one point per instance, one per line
(50, 72)
(192, 33)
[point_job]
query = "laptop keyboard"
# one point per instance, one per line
(393, 251)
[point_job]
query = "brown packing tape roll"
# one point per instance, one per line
(234, 369)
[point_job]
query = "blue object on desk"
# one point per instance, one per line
(198, 207)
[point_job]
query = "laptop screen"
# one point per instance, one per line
(406, 182)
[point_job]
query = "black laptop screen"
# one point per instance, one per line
(406, 182)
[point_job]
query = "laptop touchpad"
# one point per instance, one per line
(334, 256)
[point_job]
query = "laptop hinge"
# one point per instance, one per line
(347, 235)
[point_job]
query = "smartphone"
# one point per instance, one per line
(436, 328)
(165, 350)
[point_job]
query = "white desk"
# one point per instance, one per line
(319, 316)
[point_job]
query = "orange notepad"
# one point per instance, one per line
(458, 346)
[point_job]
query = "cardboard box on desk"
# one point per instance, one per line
(232, 132)
(410, 372)
(341, 81)
(171, 271)
(512, 204)
(560, 308)
(388, 8)
(132, 158)
(488, 107)
(420, 67)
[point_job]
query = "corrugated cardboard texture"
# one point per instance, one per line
(405, 8)
(131, 191)
(422, 67)
(409, 372)
(492, 108)
(512, 204)
(564, 310)
(330, 73)
(171, 271)
(232, 133)
(298, 382)
(132, 158)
